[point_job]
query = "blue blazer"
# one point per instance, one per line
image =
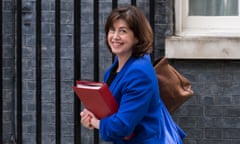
(141, 110)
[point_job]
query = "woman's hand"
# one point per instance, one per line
(89, 120)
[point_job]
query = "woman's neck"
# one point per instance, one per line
(121, 62)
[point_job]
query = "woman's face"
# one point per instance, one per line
(121, 38)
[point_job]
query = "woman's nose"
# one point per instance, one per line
(115, 35)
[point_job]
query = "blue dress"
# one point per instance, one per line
(141, 110)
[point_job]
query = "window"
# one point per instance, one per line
(208, 17)
(205, 29)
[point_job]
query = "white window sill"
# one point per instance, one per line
(202, 47)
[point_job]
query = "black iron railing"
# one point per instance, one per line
(19, 70)
(1, 76)
(38, 73)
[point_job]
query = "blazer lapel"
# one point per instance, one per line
(121, 73)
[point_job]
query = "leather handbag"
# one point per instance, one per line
(174, 88)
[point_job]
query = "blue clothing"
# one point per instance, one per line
(141, 110)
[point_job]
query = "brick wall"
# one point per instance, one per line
(211, 116)
(8, 69)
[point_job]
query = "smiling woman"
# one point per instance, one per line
(142, 117)
(135, 21)
(121, 41)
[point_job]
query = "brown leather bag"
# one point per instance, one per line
(174, 88)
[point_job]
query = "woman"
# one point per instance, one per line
(142, 117)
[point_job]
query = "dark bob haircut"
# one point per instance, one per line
(138, 23)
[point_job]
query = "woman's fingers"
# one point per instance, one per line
(86, 119)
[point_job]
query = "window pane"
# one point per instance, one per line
(213, 8)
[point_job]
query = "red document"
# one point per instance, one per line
(96, 97)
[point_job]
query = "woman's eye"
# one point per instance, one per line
(122, 31)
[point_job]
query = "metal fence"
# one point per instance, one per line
(1, 77)
(38, 61)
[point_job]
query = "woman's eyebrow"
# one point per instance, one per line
(123, 27)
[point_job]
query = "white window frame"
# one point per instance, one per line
(204, 25)
(195, 39)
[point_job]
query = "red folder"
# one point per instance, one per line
(96, 97)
